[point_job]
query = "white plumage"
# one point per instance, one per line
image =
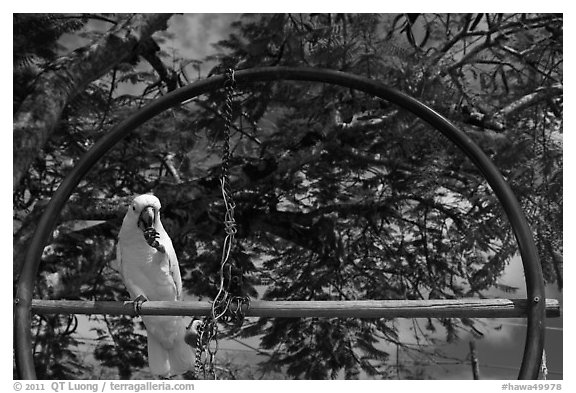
(150, 271)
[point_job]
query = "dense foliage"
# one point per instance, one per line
(339, 194)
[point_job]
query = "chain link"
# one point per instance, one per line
(199, 346)
(221, 306)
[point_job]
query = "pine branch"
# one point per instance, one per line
(541, 94)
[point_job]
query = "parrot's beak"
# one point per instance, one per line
(147, 218)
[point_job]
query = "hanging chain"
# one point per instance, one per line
(224, 307)
(219, 305)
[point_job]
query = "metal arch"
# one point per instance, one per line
(534, 344)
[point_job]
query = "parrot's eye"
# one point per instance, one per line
(133, 207)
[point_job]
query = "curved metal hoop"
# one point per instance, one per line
(534, 343)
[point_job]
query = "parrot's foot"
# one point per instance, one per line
(151, 237)
(138, 303)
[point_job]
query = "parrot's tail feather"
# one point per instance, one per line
(158, 358)
(181, 359)
(176, 360)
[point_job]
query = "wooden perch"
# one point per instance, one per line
(456, 308)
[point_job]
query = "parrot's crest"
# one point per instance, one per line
(143, 212)
(142, 201)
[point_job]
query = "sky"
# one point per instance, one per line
(194, 35)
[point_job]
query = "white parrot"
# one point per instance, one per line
(150, 271)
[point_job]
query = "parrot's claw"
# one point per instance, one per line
(151, 237)
(138, 303)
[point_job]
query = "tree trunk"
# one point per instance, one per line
(40, 112)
